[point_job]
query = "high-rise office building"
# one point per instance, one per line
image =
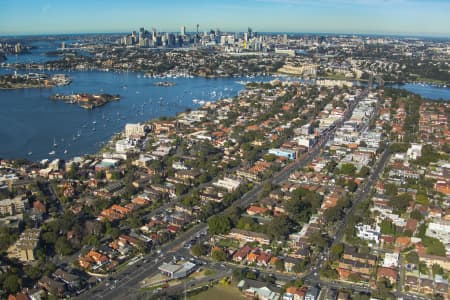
(154, 34)
(171, 41)
(183, 30)
(141, 35)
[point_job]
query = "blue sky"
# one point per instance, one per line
(409, 17)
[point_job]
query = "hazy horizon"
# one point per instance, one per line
(371, 17)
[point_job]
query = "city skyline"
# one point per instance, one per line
(394, 17)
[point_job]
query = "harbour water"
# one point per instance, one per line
(30, 121)
(426, 90)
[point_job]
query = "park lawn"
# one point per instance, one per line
(219, 292)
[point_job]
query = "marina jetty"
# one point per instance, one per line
(33, 80)
(87, 101)
(165, 83)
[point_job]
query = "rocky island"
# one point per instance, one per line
(87, 101)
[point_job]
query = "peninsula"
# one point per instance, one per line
(33, 80)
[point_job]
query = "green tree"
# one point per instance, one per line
(399, 147)
(422, 230)
(401, 202)
(318, 240)
(115, 175)
(219, 255)
(423, 268)
(383, 289)
(219, 224)
(279, 265)
(437, 270)
(63, 247)
(416, 214)
(180, 189)
(203, 178)
(247, 223)
(238, 274)
(391, 189)
(361, 297)
(355, 277)
(251, 275)
(422, 198)
(299, 267)
(279, 228)
(270, 157)
(115, 232)
(336, 251)
(12, 283)
(348, 169)
(33, 272)
(433, 246)
(412, 258)
(387, 227)
(198, 250)
(429, 155)
(7, 237)
(100, 175)
(328, 272)
(352, 186)
(364, 171)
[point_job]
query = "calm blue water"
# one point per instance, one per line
(37, 55)
(426, 91)
(30, 121)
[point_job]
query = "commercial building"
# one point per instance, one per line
(135, 130)
(440, 229)
(289, 154)
(366, 232)
(177, 271)
(246, 236)
(11, 207)
(227, 183)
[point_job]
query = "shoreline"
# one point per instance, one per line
(251, 75)
(26, 87)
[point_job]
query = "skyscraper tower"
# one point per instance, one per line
(154, 34)
(183, 30)
(197, 37)
(141, 34)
